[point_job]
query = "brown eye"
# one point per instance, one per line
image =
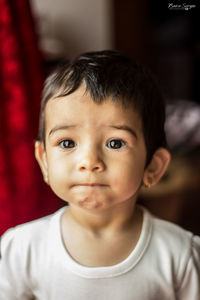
(66, 144)
(116, 144)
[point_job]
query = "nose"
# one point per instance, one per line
(90, 160)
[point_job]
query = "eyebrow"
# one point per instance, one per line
(126, 128)
(57, 128)
(119, 127)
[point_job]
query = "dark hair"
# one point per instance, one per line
(111, 73)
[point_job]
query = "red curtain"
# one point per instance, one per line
(23, 195)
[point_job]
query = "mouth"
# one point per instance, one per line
(90, 185)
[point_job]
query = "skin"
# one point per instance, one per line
(94, 159)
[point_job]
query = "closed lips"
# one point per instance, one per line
(89, 184)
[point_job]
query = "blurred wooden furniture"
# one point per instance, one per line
(177, 197)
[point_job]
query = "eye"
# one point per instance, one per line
(116, 144)
(66, 144)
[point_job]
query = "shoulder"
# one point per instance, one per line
(175, 248)
(24, 250)
(26, 235)
(173, 236)
(172, 257)
(25, 232)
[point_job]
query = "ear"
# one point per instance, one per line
(157, 167)
(41, 157)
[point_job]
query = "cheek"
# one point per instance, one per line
(58, 171)
(57, 180)
(128, 173)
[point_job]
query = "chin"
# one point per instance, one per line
(90, 203)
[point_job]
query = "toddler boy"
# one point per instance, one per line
(101, 137)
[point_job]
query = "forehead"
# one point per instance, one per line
(81, 109)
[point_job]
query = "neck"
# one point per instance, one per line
(115, 219)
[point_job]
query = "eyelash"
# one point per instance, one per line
(121, 144)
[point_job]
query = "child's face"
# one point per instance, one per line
(95, 153)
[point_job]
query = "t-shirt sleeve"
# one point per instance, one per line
(13, 271)
(190, 283)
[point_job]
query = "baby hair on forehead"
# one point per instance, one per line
(110, 73)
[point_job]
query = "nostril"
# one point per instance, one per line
(82, 168)
(96, 168)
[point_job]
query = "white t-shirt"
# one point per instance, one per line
(34, 264)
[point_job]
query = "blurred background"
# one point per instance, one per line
(35, 35)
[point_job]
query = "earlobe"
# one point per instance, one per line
(157, 167)
(40, 155)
